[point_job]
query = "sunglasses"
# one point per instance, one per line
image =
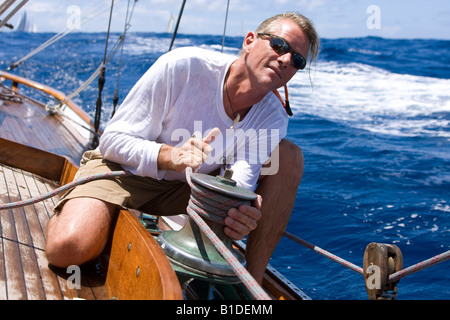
(280, 46)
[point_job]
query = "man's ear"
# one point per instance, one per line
(249, 41)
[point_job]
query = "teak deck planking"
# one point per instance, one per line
(24, 270)
(30, 124)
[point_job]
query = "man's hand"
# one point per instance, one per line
(191, 154)
(241, 221)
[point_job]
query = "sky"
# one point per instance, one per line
(406, 19)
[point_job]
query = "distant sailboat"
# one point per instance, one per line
(25, 24)
(170, 25)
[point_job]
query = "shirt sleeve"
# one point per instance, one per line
(130, 138)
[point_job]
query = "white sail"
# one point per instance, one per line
(170, 25)
(25, 24)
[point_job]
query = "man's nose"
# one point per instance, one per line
(286, 59)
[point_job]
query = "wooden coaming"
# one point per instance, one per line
(136, 267)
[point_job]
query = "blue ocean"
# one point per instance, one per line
(373, 120)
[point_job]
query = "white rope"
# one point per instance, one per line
(241, 272)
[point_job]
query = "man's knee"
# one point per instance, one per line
(79, 232)
(286, 160)
(62, 246)
(291, 158)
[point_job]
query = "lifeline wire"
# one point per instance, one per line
(392, 278)
(325, 253)
(419, 266)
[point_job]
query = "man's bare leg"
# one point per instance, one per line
(278, 193)
(79, 232)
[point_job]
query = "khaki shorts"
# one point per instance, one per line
(159, 197)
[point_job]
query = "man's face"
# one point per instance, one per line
(269, 69)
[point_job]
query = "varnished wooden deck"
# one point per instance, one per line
(25, 123)
(24, 270)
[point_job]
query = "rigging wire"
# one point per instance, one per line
(176, 26)
(118, 45)
(122, 41)
(225, 25)
(93, 13)
(89, 17)
(101, 82)
(4, 6)
(100, 71)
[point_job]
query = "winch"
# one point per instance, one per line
(190, 251)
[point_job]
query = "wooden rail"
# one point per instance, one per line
(16, 80)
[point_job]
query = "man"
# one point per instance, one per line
(188, 90)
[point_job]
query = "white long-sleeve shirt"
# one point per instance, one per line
(180, 94)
